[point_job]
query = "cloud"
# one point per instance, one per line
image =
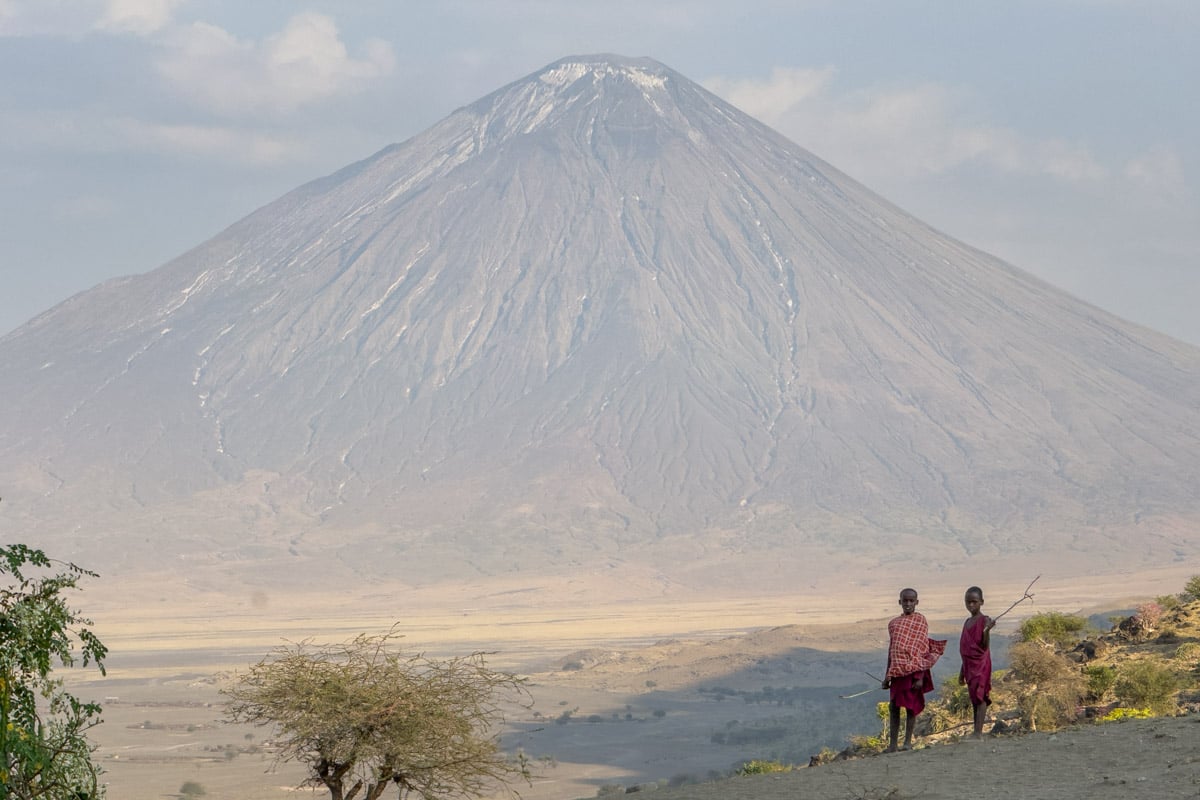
(47, 17)
(76, 18)
(1159, 171)
(304, 63)
(140, 17)
(224, 98)
(227, 144)
(81, 132)
(908, 131)
(779, 95)
(1070, 162)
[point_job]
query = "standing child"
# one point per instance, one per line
(973, 646)
(911, 653)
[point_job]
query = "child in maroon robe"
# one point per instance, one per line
(911, 653)
(976, 670)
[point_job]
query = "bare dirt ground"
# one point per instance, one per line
(636, 680)
(1149, 758)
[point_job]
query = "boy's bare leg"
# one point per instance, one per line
(893, 726)
(910, 722)
(980, 714)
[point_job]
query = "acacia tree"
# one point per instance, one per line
(44, 750)
(361, 716)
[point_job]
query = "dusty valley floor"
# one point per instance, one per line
(665, 690)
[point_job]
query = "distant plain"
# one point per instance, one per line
(637, 673)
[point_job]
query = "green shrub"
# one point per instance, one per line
(1146, 684)
(956, 696)
(1052, 627)
(760, 767)
(874, 744)
(192, 789)
(1099, 680)
(1169, 602)
(1192, 587)
(1188, 653)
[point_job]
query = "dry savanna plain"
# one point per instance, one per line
(645, 693)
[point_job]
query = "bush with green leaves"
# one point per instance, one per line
(874, 744)
(1052, 627)
(957, 697)
(1100, 679)
(191, 789)
(1169, 602)
(1188, 654)
(1192, 588)
(1147, 684)
(44, 750)
(761, 767)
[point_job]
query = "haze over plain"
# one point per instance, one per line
(597, 320)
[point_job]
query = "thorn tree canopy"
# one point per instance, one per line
(362, 716)
(44, 751)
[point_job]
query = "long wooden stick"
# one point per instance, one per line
(1026, 596)
(864, 691)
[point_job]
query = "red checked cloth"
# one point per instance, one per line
(909, 647)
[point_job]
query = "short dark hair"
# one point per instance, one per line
(975, 589)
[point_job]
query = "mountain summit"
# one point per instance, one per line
(597, 317)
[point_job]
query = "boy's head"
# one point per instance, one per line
(973, 599)
(908, 601)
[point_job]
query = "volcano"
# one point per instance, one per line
(597, 318)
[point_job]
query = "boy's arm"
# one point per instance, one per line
(986, 638)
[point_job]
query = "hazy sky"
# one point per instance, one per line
(1060, 135)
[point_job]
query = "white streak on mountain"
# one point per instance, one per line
(598, 311)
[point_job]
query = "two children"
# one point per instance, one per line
(911, 655)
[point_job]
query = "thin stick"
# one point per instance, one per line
(1026, 596)
(864, 691)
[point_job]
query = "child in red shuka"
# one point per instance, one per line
(976, 670)
(911, 653)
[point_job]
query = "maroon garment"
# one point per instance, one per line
(904, 695)
(976, 670)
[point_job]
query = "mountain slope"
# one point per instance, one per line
(598, 314)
